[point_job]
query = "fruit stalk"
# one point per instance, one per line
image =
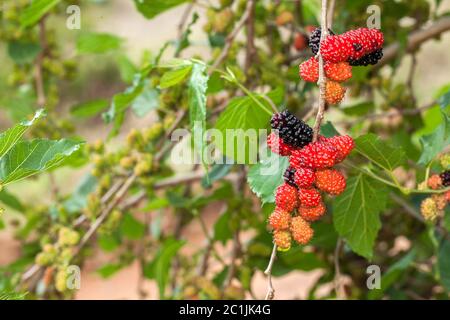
(322, 77)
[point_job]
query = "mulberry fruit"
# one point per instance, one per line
(330, 181)
(352, 45)
(304, 177)
(292, 130)
(309, 70)
(314, 39)
(277, 145)
(343, 144)
(435, 182)
(336, 49)
(289, 176)
(283, 239)
(301, 230)
(371, 58)
(445, 177)
(339, 72)
(429, 209)
(363, 41)
(286, 197)
(309, 197)
(316, 155)
(312, 213)
(300, 41)
(334, 92)
(280, 219)
(440, 201)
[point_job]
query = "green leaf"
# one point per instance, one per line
(35, 11)
(12, 295)
(175, 76)
(198, 84)
(222, 229)
(132, 228)
(97, 43)
(151, 8)
(159, 268)
(126, 68)
(23, 52)
(162, 267)
(265, 177)
(147, 101)
(11, 136)
(328, 130)
(89, 109)
(108, 242)
(444, 100)
(123, 100)
(175, 63)
(109, 270)
(444, 264)
(239, 124)
(359, 109)
(379, 152)
(392, 274)
(157, 204)
(11, 201)
(27, 158)
(435, 142)
(356, 213)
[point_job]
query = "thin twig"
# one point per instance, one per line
(232, 36)
(415, 40)
(331, 13)
(184, 18)
(39, 76)
(322, 78)
(268, 272)
(106, 211)
(163, 150)
(397, 112)
(251, 49)
(410, 79)
(340, 292)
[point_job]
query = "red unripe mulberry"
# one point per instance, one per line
(286, 197)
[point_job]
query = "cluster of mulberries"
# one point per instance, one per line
(360, 47)
(434, 206)
(299, 200)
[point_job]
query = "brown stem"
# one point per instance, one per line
(331, 13)
(229, 40)
(322, 78)
(338, 287)
(415, 40)
(268, 272)
(251, 49)
(106, 211)
(38, 73)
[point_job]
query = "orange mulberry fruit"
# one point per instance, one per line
(330, 181)
(301, 230)
(312, 213)
(334, 92)
(283, 239)
(280, 219)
